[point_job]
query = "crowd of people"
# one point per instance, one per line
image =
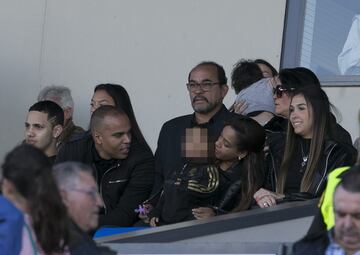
(277, 143)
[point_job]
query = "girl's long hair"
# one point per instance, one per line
(319, 110)
(250, 137)
(29, 170)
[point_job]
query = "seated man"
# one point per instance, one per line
(344, 237)
(79, 194)
(43, 125)
(124, 168)
(62, 96)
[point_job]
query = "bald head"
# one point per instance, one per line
(98, 117)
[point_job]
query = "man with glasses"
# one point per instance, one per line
(207, 88)
(79, 194)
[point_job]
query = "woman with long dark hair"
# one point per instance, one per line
(116, 95)
(29, 185)
(311, 151)
(239, 151)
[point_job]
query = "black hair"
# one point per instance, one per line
(220, 71)
(103, 111)
(29, 170)
(298, 77)
(245, 73)
(53, 110)
(264, 62)
(250, 138)
(350, 179)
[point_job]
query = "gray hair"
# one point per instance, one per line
(66, 174)
(59, 94)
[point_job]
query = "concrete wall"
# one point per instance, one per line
(147, 46)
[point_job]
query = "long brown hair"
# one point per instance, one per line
(319, 110)
(29, 170)
(250, 137)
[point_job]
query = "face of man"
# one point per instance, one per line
(83, 202)
(347, 219)
(206, 101)
(40, 133)
(113, 138)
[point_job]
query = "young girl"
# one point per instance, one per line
(239, 151)
(311, 151)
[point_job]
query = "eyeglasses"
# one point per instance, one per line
(92, 192)
(279, 90)
(204, 86)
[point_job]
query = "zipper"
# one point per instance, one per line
(101, 182)
(325, 170)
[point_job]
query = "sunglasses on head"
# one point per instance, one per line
(279, 90)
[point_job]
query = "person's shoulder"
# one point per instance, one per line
(80, 138)
(178, 120)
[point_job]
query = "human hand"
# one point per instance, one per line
(240, 107)
(143, 211)
(154, 221)
(265, 198)
(203, 213)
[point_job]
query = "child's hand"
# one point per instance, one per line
(203, 213)
(143, 211)
(154, 221)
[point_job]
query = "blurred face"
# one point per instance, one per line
(266, 71)
(100, 97)
(83, 202)
(347, 219)
(281, 98)
(209, 99)
(300, 117)
(225, 146)
(196, 143)
(39, 132)
(113, 138)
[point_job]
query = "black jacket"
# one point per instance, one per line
(334, 155)
(123, 186)
(168, 154)
(81, 244)
(315, 244)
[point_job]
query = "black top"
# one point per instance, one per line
(298, 166)
(126, 183)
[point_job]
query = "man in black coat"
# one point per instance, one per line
(207, 88)
(124, 169)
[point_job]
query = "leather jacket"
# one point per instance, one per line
(124, 185)
(334, 155)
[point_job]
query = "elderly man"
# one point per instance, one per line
(124, 168)
(344, 237)
(62, 96)
(79, 194)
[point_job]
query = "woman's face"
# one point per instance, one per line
(225, 146)
(100, 97)
(301, 117)
(281, 98)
